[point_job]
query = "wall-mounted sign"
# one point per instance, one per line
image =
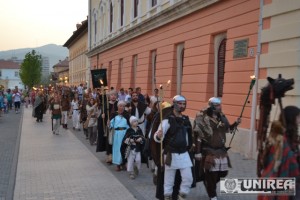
(240, 48)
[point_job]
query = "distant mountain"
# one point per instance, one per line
(52, 51)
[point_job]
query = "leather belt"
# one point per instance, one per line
(120, 128)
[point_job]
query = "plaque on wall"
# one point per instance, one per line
(240, 48)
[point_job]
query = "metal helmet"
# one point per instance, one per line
(176, 99)
(214, 101)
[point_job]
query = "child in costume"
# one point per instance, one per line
(134, 141)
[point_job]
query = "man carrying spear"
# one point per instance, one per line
(211, 126)
(175, 132)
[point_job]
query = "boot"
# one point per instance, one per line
(66, 126)
(181, 196)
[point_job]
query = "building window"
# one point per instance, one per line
(221, 67)
(109, 71)
(122, 12)
(134, 70)
(119, 73)
(135, 8)
(16, 74)
(111, 14)
(95, 27)
(153, 3)
(180, 64)
(153, 68)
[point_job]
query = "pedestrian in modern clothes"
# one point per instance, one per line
(17, 100)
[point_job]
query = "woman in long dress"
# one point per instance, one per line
(120, 123)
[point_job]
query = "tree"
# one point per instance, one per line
(31, 69)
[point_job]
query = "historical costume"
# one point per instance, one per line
(65, 108)
(83, 114)
(139, 109)
(211, 126)
(281, 156)
(112, 108)
(75, 113)
(175, 132)
(119, 123)
(131, 148)
(39, 107)
(102, 125)
(55, 108)
(92, 113)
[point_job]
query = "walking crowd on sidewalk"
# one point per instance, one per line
(132, 128)
(11, 99)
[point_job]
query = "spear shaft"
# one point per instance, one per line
(246, 100)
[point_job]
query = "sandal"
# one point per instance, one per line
(131, 176)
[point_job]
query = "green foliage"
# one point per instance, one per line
(31, 69)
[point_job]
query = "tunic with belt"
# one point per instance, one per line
(94, 116)
(120, 124)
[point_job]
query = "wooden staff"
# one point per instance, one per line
(102, 94)
(161, 94)
(253, 80)
(107, 106)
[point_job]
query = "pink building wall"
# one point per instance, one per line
(237, 18)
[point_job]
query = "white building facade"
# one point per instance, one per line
(9, 74)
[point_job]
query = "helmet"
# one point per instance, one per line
(176, 99)
(214, 101)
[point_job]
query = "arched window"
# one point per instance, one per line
(111, 16)
(221, 67)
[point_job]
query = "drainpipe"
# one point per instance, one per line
(255, 88)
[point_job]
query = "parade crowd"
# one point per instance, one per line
(132, 128)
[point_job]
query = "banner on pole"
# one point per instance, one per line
(99, 78)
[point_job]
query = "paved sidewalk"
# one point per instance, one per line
(65, 166)
(60, 167)
(10, 124)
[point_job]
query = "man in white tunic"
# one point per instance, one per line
(176, 135)
(139, 109)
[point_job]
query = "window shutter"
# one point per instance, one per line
(221, 67)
